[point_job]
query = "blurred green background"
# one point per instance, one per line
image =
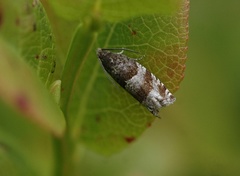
(200, 133)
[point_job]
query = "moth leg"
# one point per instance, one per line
(120, 52)
(137, 59)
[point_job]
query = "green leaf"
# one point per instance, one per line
(110, 10)
(32, 36)
(102, 114)
(21, 89)
(25, 149)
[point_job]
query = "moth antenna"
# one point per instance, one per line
(125, 49)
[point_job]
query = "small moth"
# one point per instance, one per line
(136, 79)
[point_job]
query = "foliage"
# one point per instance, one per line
(93, 112)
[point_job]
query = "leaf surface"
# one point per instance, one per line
(111, 10)
(26, 27)
(101, 113)
(25, 149)
(21, 89)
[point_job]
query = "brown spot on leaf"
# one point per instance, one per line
(44, 57)
(129, 139)
(149, 124)
(53, 67)
(22, 102)
(17, 22)
(98, 118)
(50, 37)
(34, 27)
(134, 32)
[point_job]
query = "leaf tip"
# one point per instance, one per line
(130, 139)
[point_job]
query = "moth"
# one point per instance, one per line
(143, 85)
